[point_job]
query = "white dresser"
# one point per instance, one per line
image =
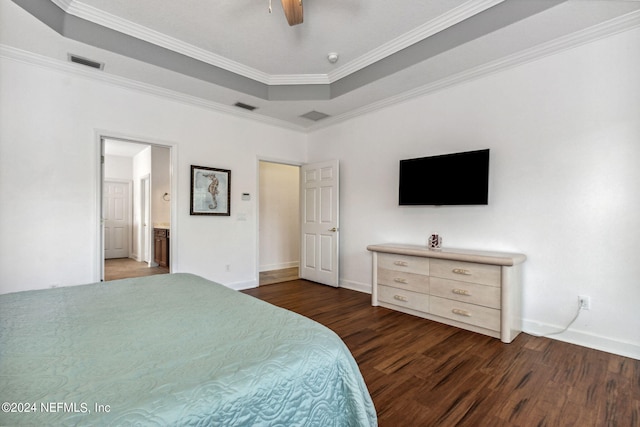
(474, 290)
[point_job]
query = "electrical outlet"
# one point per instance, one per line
(585, 302)
(228, 267)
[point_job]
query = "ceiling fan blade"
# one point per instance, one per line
(293, 11)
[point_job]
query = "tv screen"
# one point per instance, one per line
(449, 179)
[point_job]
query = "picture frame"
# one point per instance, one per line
(210, 191)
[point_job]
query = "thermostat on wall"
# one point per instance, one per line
(246, 196)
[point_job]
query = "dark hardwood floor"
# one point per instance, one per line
(422, 373)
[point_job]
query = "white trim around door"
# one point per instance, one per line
(100, 136)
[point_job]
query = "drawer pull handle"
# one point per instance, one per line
(461, 312)
(400, 280)
(461, 292)
(401, 263)
(462, 271)
(400, 298)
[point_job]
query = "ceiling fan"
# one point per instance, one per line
(292, 10)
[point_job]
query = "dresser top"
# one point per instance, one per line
(482, 257)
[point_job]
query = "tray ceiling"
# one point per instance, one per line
(220, 53)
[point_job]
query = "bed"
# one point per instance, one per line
(171, 349)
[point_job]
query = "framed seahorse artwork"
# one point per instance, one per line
(210, 191)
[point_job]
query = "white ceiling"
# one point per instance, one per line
(243, 31)
(115, 147)
(219, 52)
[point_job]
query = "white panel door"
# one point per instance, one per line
(319, 196)
(117, 219)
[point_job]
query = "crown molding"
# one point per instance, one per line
(298, 79)
(65, 5)
(100, 17)
(454, 16)
(605, 29)
(105, 19)
(31, 58)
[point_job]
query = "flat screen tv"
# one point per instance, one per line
(449, 179)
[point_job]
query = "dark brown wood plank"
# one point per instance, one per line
(423, 373)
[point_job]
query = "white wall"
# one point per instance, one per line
(564, 135)
(161, 184)
(279, 216)
(49, 153)
(118, 167)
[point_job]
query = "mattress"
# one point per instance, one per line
(171, 350)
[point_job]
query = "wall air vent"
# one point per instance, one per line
(245, 106)
(86, 62)
(315, 115)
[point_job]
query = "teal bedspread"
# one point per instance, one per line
(171, 350)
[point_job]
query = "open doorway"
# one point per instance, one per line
(279, 222)
(136, 208)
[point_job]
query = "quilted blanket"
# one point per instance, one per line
(171, 350)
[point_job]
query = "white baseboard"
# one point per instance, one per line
(279, 266)
(356, 286)
(583, 339)
(240, 286)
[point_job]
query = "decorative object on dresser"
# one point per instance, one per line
(435, 242)
(475, 290)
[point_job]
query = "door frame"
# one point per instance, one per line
(145, 217)
(99, 136)
(257, 242)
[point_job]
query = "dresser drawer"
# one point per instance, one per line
(403, 298)
(466, 271)
(410, 264)
(488, 296)
(484, 317)
(404, 280)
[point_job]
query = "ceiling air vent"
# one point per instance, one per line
(315, 115)
(245, 106)
(86, 62)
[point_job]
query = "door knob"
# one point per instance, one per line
(334, 229)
